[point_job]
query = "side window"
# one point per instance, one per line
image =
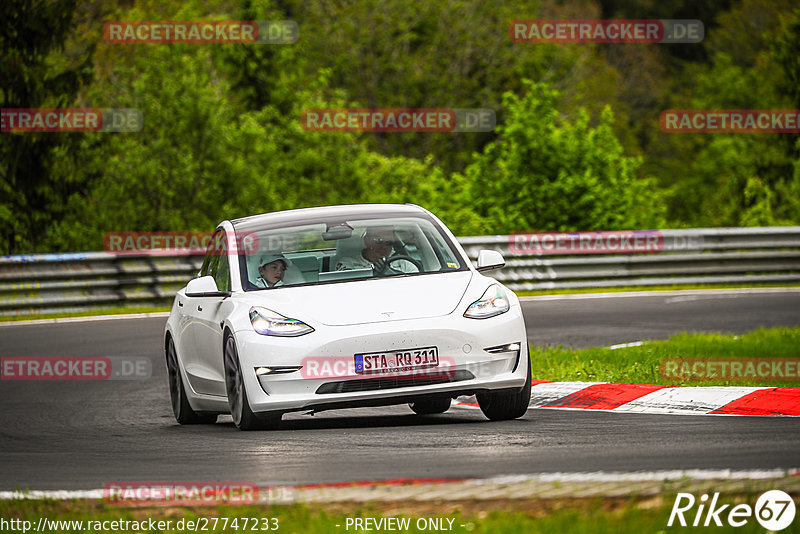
(216, 261)
(222, 275)
(210, 261)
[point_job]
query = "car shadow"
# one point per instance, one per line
(294, 422)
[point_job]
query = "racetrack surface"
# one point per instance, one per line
(82, 435)
(591, 320)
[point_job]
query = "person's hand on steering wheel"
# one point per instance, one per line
(379, 266)
(384, 265)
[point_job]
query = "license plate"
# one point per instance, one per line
(397, 361)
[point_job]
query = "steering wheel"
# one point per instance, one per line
(396, 257)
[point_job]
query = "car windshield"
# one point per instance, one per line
(346, 250)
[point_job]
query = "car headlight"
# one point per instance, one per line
(270, 323)
(493, 302)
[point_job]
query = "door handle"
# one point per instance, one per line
(199, 308)
(180, 304)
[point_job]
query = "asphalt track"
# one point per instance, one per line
(82, 435)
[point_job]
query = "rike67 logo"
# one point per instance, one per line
(774, 510)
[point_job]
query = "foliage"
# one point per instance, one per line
(577, 145)
(545, 172)
(37, 170)
(450, 54)
(737, 179)
(203, 156)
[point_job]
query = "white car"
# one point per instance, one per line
(338, 307)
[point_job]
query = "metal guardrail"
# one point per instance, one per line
(691, 256)
(42, 283)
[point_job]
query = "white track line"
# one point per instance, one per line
(52, 494)
(639, 476)
(90, 318)
(668, 293)
(626, 345)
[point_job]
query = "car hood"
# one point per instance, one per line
(368, 301)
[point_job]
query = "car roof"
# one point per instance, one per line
(328, 214)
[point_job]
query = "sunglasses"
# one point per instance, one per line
(382, 240)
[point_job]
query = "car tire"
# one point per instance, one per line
(503, 406)
(243, 416)
(430, 406)
(183, 412)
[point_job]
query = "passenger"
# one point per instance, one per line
(271, 269)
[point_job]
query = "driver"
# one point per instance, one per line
(379, 244)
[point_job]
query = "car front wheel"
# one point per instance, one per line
(243, 416)
(502, 406)
(183, 412)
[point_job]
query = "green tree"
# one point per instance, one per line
(37, 170)
(209, 151)
(547, 173)
(739, 179)
(448, 54)
(786, 50)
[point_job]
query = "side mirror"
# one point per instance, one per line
(205, 286)
(490, 259)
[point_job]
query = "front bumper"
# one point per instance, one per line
(326, 378)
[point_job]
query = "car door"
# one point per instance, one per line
(203, 360)
(186, 342)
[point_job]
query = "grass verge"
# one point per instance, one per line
(642, 364)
